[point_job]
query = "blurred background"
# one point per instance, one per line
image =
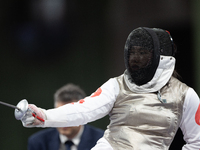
(46, 44)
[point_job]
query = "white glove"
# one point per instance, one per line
(30, 118)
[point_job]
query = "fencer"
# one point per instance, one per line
(146, 104)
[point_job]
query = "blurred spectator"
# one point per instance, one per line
(81, 137)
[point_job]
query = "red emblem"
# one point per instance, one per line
(197, 116)
(97, 93)
(81, 101)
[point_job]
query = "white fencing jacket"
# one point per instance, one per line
(101, 102)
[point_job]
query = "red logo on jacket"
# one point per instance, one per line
(197, 116)
(97, 93)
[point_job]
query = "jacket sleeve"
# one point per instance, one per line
(89, 109)
(190, 123)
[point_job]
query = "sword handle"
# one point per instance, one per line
(34, 115)
(23, 108)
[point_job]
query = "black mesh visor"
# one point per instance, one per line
(142, 55)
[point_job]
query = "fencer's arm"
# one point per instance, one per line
(190, 123)
(89, 109)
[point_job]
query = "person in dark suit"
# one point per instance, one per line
(82, 137)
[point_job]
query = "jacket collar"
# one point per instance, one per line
(163, 73)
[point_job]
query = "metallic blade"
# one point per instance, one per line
(9, 105)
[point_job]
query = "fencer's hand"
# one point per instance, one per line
(28, 120)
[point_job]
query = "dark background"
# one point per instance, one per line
(46, 44)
